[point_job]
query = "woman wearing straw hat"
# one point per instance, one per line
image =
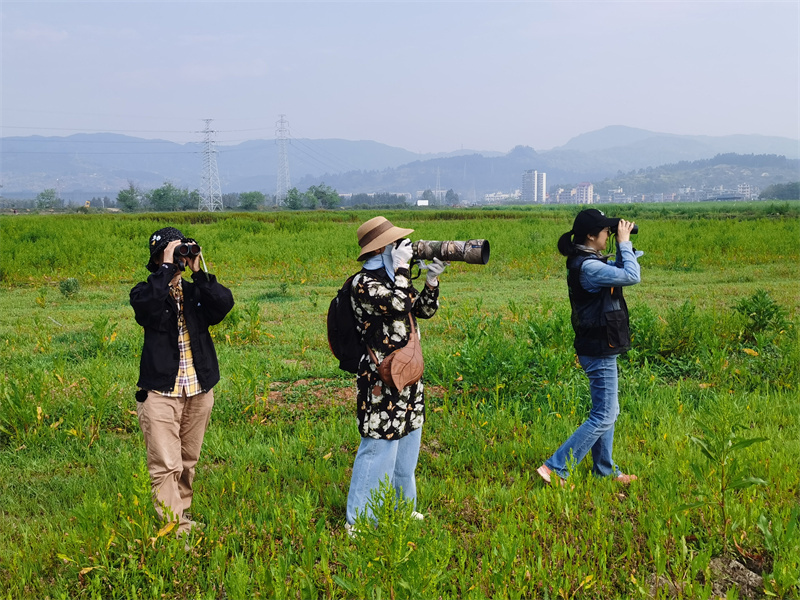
(386, 306)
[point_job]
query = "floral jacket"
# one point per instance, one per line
(381, 309)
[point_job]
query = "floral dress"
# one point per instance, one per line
(382, 308)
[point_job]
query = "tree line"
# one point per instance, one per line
(781, 191)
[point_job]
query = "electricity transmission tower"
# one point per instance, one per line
(282, 138)
(210, 192)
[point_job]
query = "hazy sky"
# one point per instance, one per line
(425, 76)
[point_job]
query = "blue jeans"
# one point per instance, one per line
(377, 459)
(597, 432)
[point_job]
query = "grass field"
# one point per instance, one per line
(709, 395)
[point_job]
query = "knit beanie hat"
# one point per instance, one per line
(158, 241)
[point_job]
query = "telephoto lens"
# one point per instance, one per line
(473, 252)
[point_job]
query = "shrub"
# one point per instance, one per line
(762, 312)
(69, 287)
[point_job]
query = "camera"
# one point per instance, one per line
(616, 222)
(473, 252)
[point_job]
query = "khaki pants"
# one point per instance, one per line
(173, 431)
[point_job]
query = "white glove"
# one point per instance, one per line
(435, 269)
(401, 254)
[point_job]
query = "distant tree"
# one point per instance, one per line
(294, 199)
(429, 196)
(782, 191)
(451, 197)
(129, 198)
(310, 201)
(251, 200)
(169, 198)
(323, 195)
(165, 198)
(230, 200)
(46, 198)
(380, 199)
(189, 200)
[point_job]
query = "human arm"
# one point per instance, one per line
(216, 300)
(625, 271)
(147, 298)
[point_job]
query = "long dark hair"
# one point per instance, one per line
(566, 243)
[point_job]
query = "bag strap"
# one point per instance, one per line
(372, 354)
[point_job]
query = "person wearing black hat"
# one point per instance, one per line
(600, 322)
(178, 368)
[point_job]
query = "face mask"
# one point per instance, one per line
(387, 260)
(384, 259)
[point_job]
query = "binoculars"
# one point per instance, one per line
(614, 227)
(187, 249)
(473, 252)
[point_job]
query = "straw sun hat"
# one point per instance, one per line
(377, 233)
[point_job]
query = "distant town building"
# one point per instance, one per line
(534, 186)
(501, 197)
(616, 196)
(584, 193)
(565, 196)
(746, 191)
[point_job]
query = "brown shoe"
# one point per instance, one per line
(625, 479)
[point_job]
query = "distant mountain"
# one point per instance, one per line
(103, 163)
(726, 170)
(641, 148)
(85, 165)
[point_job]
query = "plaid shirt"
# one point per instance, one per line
(186, 381)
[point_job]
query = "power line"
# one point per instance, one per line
(344, 165)
(85, 130)
(97, 153)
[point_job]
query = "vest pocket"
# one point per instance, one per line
(619, 335)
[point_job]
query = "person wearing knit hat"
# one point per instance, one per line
(601, 324)
(386, 306)
(178, 368)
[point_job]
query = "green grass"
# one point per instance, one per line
(715, 326)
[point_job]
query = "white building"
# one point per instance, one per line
(584, 193)
(534, 186)
(745, 191)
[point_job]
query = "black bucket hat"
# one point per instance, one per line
(158, 241)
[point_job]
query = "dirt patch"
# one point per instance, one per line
(725, 574)
(730, 573)
(304, 396)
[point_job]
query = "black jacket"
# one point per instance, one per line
(600, 319)
(205, 303)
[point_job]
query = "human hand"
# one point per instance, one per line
(401, 254)
(624, 230)
(193, 262)
(169, 252)
(435, 268)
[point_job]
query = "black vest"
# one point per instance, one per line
(600, 319)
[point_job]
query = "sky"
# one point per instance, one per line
(423, 76)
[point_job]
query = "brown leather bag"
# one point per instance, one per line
(404, 366)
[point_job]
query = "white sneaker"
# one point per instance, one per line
(417, 515)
